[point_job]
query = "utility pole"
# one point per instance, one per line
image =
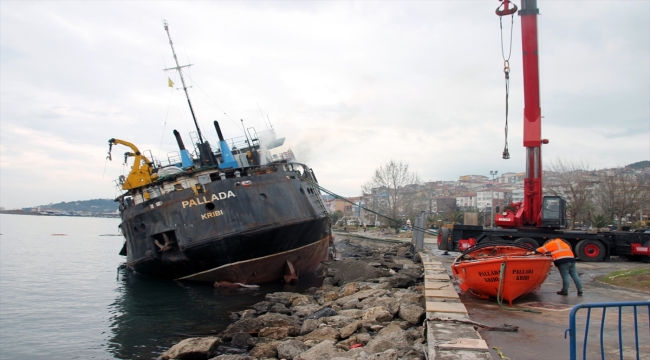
(493, 173)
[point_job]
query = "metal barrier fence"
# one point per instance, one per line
(604, 306)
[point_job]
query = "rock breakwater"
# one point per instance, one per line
(370, 306)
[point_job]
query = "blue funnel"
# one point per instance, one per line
(186, 159)
(228, 161)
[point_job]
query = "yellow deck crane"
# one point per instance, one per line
(140, 174)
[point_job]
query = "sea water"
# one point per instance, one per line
(62, 297)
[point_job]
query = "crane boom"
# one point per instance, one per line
(528, 212)
(141, 172)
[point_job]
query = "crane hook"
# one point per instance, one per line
(506, 9)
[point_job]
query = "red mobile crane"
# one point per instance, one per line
(539, 218)
(528, 212)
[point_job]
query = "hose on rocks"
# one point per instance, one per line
(503, 357)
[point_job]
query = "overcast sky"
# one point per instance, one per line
(349, 84)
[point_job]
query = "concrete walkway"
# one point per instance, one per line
(449, 333)
(540, 336)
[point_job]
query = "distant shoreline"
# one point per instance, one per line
(20, 212)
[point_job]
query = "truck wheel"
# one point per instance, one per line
(590, 250)
(531, 243)
(450, 243)
(442, 238)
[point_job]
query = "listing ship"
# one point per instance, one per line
(237, 213)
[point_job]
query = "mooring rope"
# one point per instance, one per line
(500, 298)
(362, 207)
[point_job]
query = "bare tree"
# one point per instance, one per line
(570, 180)
(620, 194)
(392, 188)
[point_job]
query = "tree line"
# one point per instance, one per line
(594, 198)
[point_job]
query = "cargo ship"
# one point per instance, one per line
(235, 213)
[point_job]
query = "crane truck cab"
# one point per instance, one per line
(553, 212)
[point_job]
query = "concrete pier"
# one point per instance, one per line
(540, 336)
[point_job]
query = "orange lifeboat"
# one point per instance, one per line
(506, 272)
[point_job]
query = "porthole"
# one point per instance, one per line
(209, 206)
(135, 228)
(142, 226)
(262, 196)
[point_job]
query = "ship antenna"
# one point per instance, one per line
(178, 68)
(245, 134)
(271, 125)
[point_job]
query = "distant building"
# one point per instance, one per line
(467, 201)
(443, 204)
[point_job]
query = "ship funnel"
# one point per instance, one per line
(228, 160)
(177, 135)
(186, 159)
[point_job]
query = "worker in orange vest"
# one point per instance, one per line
(565, 261)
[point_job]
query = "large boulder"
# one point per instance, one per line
(322, 313)
(193, 348)
(233, 357)
(240, 340)
(390, 354)
(388, 302)
(262, 306)
(272, 319)
(350, 288)
(284, 298)
(363, 294)
(265, 350)
(352, 304)
(323, 333)
(351, 313)
(389, 263)
(305, 310)
(400, 281)
(323, 350)
(278, 333)
(390, 337)
(415, 273)
(413, 313)
(349, 329)
(309, 325)
(253, 326)
(301, 300)
(409, 297)
(378, 314)
(349, 270)
(328, 296)
(291, 348)
(280, 309)
(337, 321)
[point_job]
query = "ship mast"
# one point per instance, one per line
(178, 68)
(206, 156)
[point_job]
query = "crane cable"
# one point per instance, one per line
(506, 71)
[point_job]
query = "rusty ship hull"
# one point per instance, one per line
(248, 228)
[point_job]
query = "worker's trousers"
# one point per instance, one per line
(568, 272)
